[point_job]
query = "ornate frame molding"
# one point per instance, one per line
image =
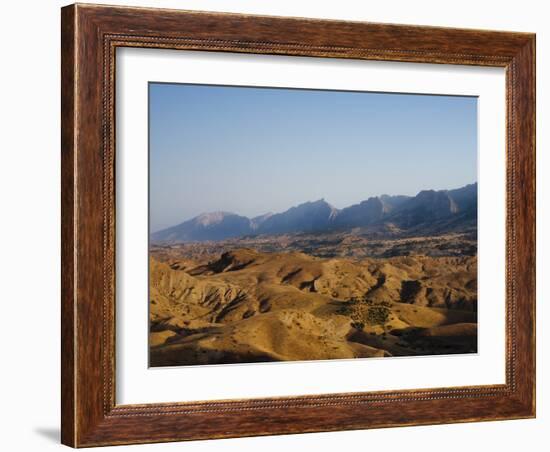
(90, 36)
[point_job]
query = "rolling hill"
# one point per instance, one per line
(249, 306)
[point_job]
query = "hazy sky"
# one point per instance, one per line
(255, 150)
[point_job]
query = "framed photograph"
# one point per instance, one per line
(280, 225)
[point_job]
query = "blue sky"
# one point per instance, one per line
(255, 150)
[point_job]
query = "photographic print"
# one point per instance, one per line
(298, 224)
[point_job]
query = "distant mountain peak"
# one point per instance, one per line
(256, 222)
(317, 203)
(209, 218)
(404, 212)
(264, 216)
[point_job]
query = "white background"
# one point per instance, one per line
(29, 387)
(137, 384)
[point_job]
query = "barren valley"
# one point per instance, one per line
(247, 305)
(391, 276)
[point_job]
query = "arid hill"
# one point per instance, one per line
(387, 242)
(246, 305)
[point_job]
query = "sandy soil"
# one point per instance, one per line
(247, 305)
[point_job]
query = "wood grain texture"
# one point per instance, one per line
(90, 36)
(67, 225)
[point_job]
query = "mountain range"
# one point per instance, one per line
(428, 212)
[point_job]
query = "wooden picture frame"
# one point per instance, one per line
(90, 36)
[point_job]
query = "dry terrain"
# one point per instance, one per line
(312, 297)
